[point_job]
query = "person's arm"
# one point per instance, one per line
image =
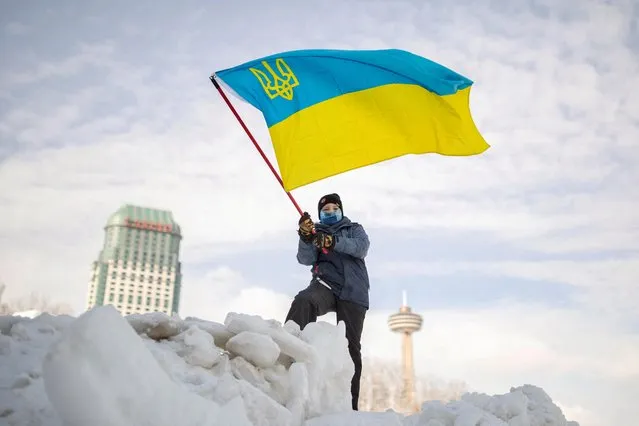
(356, 246)
(306, 253)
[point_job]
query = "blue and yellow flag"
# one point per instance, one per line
(330, 111)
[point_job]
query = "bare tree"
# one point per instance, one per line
(33, 302)
(4, 308)
(381, 387)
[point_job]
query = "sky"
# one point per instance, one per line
(523, 261)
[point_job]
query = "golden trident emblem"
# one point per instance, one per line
(279, 86)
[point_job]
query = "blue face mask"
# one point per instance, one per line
(330, 218)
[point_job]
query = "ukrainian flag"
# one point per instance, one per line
(330, 111)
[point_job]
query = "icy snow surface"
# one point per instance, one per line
(103, 369)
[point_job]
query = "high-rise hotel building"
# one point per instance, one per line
(138, 269)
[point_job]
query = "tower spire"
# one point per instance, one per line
(406, 323)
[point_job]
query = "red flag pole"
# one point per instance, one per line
(257, 146)
(279, 179)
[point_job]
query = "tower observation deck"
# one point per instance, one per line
(406, 323)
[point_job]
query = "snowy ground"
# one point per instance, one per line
(105, 370)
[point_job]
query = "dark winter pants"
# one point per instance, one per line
(317, 300)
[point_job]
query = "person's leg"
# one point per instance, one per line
(353, 316)
(310, 303)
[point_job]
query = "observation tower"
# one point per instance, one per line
(406, 323)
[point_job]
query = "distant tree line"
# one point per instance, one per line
(382, 387)
(33, 302)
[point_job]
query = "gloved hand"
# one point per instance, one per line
(322, 240)
(306, 227)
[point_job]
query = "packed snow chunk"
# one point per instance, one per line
(257, 348)
(298, 404)
(112, 379)
(156, 325)
(541, 411)
(263, 410)
(244, 370)
(219, 331)
(23, 345)
(523, 406)
(200, 349)
(279, 383)
(322, 348)
(331, 370)
(289, 344)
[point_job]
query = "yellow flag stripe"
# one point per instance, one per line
(369, 126)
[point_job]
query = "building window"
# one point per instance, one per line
(120, 298)
(139, 300)
(166, 304)
(111, 296)
(148, 301)
(130, 299)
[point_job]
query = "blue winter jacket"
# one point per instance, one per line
(343, 268)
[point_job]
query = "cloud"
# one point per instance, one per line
(604, 286)
(512, 191)
(222, 290)
(16, 28)
(87, 55)
(126, 114)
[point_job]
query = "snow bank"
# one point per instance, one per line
(105, 370)
(115, 380)
(29, 314)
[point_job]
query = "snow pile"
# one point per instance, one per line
(522, 406)
(29, 314)
(105, 370)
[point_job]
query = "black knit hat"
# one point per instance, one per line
(329, 198)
